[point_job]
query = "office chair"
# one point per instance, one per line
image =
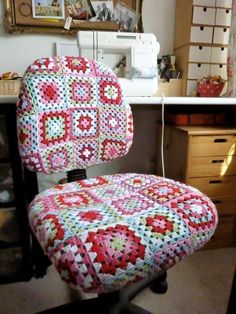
(108, 234)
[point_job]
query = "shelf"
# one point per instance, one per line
(8, 245)
(7, 206)
(15, 241)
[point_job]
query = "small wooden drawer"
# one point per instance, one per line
(223, 17)
(225, 234)
(208, 3)
(201, 34)
(219, 55)
(9, 231)
(199, 54)
(215, 145)
(215, 187)
(204, 15)
(191, 87)
(225, 207)
(224, 3)
(212, 166)
(198, 70)
(11, 262)
(219, 69)
(226, 228)
(221, 35)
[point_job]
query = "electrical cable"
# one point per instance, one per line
(93, 45)
(162, 134)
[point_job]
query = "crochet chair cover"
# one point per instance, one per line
(102, 233)
(71, 114)
(108, 232)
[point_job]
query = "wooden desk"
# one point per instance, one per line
(136, 101)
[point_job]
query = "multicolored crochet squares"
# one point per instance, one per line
(71, 114)
(104, 233)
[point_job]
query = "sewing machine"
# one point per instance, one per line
(132, 56)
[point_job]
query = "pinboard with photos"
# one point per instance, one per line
(68, 16)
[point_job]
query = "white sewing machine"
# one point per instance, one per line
(132, 56)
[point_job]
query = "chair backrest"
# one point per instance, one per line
(71, 114)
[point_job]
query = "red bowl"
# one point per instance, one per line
(209, 90)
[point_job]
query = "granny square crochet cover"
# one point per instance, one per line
(102, 233)
(105, 233)
(71, 114)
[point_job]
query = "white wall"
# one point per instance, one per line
(159, 18)
(18, 51)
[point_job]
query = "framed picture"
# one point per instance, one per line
(104, 10)
(48, 9)
(51, 16)
(126, 17)
(80, 9)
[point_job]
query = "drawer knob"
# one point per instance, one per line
(215, 181)
(220, 140)
(217, 161)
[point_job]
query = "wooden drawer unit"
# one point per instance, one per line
(208, 3)
(202, 30)
(201, 19)
(216, 145)
(203, 15)
(205, 157)
(210, 166)
(225, 234)
(215, 186)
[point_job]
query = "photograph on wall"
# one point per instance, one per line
(126, 17)
(48, 9)
(104, 10)
(80, 9)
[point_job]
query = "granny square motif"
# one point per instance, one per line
(71, 114)
(82, 91)
(105, 233)
(84, 123)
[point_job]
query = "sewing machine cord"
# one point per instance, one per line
(162, 134)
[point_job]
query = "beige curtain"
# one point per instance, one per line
(231, 62)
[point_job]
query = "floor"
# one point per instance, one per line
(198, 285)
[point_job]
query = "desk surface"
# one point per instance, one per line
(182, 100)
(158, 100)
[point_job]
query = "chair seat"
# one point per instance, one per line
(106, 232)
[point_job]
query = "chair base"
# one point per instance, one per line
(118, 302)
(159, 285)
